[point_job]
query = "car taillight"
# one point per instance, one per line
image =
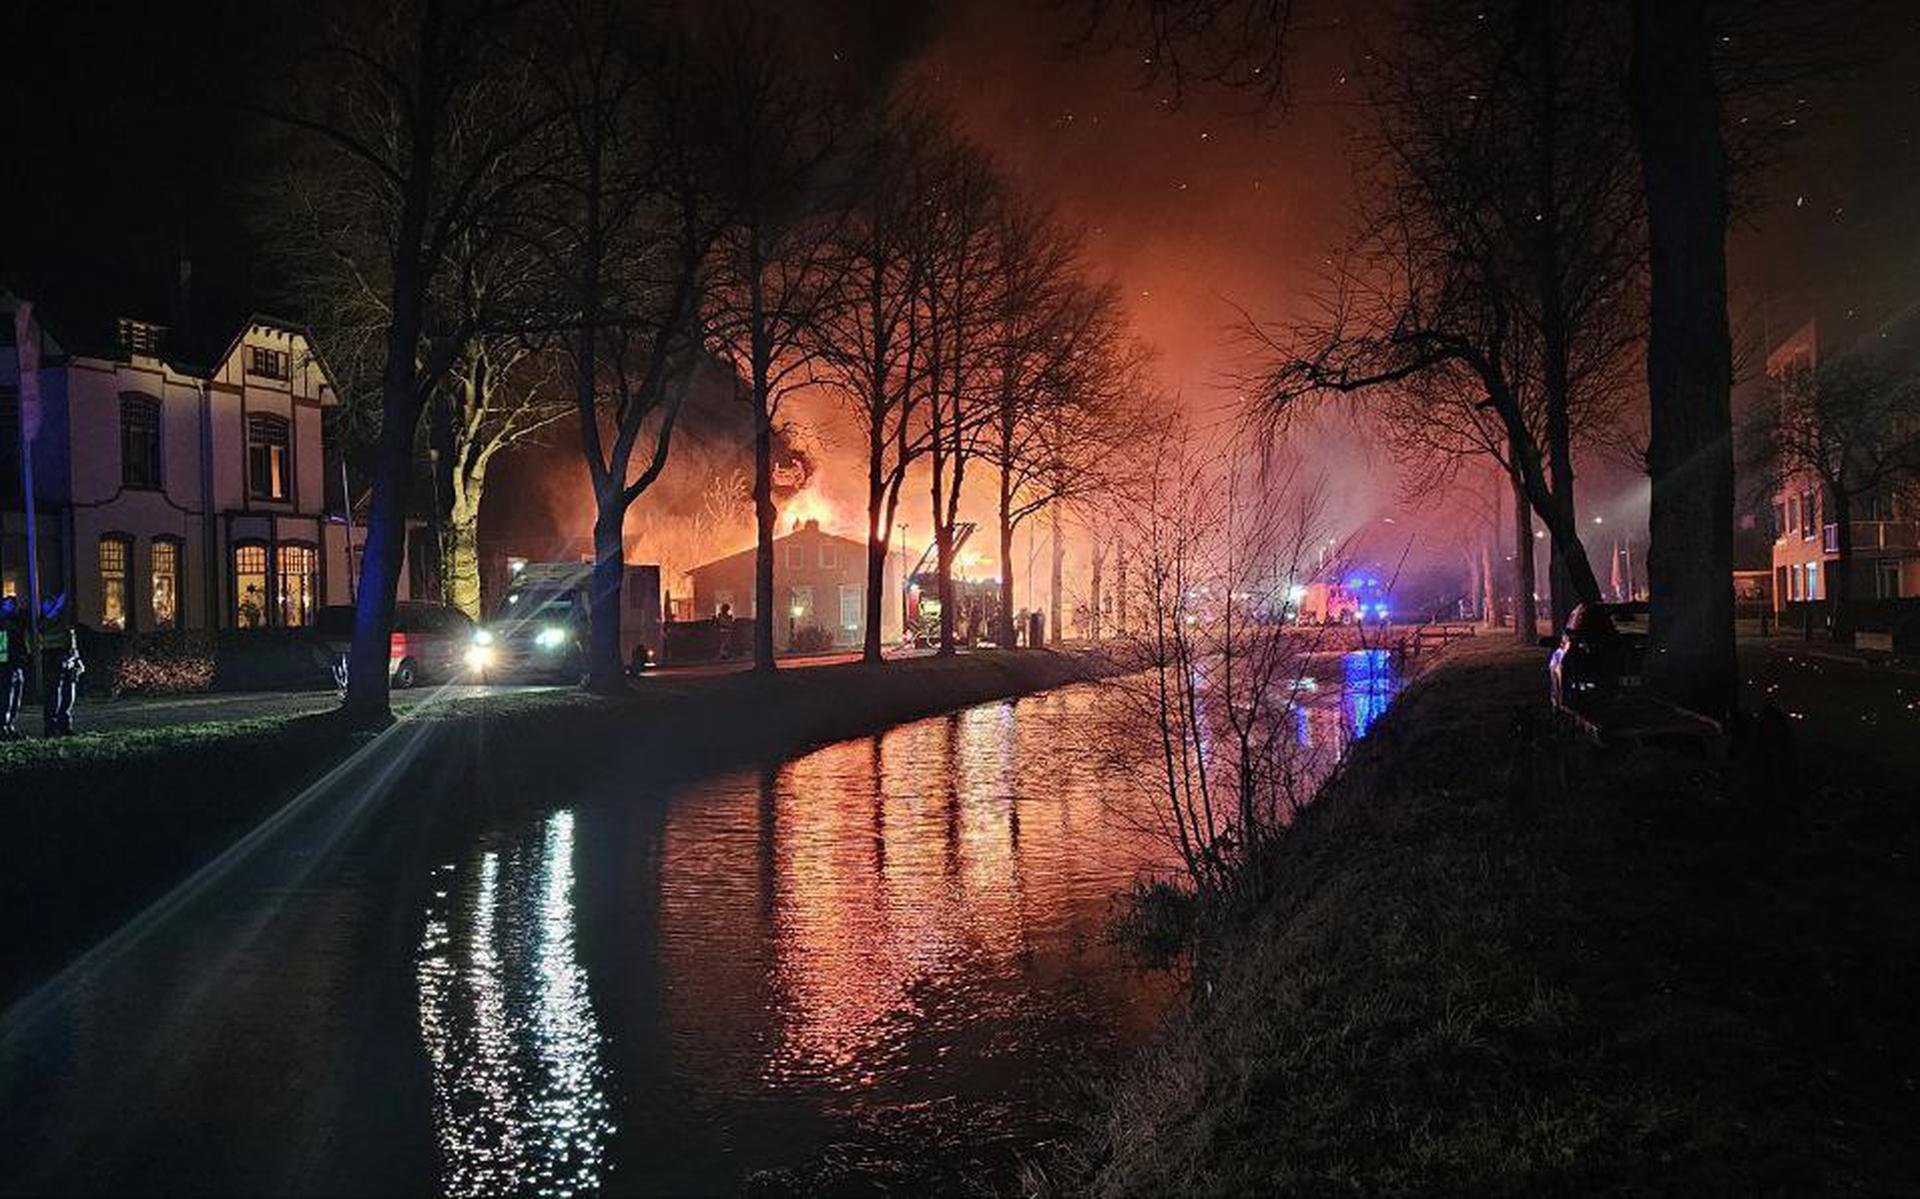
(397, 645)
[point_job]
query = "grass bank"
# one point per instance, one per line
(97, 826)
(1500, 962)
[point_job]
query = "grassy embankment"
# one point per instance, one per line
(1503, 963)
(99, 825)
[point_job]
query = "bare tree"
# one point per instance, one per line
(872, 342)
(1852, 425)
(626, 224)
(1490, 295)
(779, 140)
(417, 110)
(1214, 716)
(957, 312)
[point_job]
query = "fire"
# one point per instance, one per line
(809, 504)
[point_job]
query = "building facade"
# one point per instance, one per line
(1806, 545)
(172, 496)
(819, 580)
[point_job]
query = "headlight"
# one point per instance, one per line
(482, 637)
(551, 637)
(479, 655)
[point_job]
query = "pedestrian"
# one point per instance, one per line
(60, 667)
(723, 625)
(13, 665)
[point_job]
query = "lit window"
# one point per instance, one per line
(269, 457)
(166, 583)
(250, 586)
(296, 584)
(114, 596)
(140, 441)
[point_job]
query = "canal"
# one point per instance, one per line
(883, 964)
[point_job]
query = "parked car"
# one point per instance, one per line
(429, 641)
(1601, 655)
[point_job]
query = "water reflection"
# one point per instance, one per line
(509, 1027)
(1369, 682)
(877, 964)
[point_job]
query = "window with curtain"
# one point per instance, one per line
(297, 585)
(269, 457)
(140, 441)
(165, 582)
(250, 586)
(115, 597)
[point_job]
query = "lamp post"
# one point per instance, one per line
(793, 619)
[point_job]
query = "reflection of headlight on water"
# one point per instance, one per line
(551, 637)
(479, 655)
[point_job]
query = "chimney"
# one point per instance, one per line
(812, 526)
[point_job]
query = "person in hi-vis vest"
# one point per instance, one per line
(60, 666)
(13, 665)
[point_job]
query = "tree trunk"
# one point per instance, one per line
(1840, 570)
(1526, 620)
(1058, 604)
(1007, 636)
(606, 669)
(1689, 357)
(943, 543)
(764, 516)
(871, 644)
(460, 554)
(1489, 600)
(1093, 590)
(878, 536)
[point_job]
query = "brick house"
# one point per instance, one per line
(819, 581)
(1886, 528)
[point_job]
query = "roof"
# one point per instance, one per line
(87, 329)
(812, 527)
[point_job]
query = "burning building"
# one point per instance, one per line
(819, 587)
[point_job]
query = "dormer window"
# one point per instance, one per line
(267, 364)
(140, 338)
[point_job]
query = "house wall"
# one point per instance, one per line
(202, 505)
(812, 568)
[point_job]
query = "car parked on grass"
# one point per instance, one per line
(1600, 657)
(429, 641)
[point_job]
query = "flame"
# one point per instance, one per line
(809, 504)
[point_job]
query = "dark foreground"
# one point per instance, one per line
(1500, 962)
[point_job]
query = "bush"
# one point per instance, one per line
(162, 664)
(812, 640)
(189, 660)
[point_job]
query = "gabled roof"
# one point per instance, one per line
(811, 527)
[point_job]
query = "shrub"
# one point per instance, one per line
(812, 640)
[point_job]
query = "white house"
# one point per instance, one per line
(169, 494)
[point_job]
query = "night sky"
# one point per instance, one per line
(128, 152)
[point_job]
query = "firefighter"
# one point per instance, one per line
(60, 667)
(13, 665)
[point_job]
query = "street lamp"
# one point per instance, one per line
(793, 618)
